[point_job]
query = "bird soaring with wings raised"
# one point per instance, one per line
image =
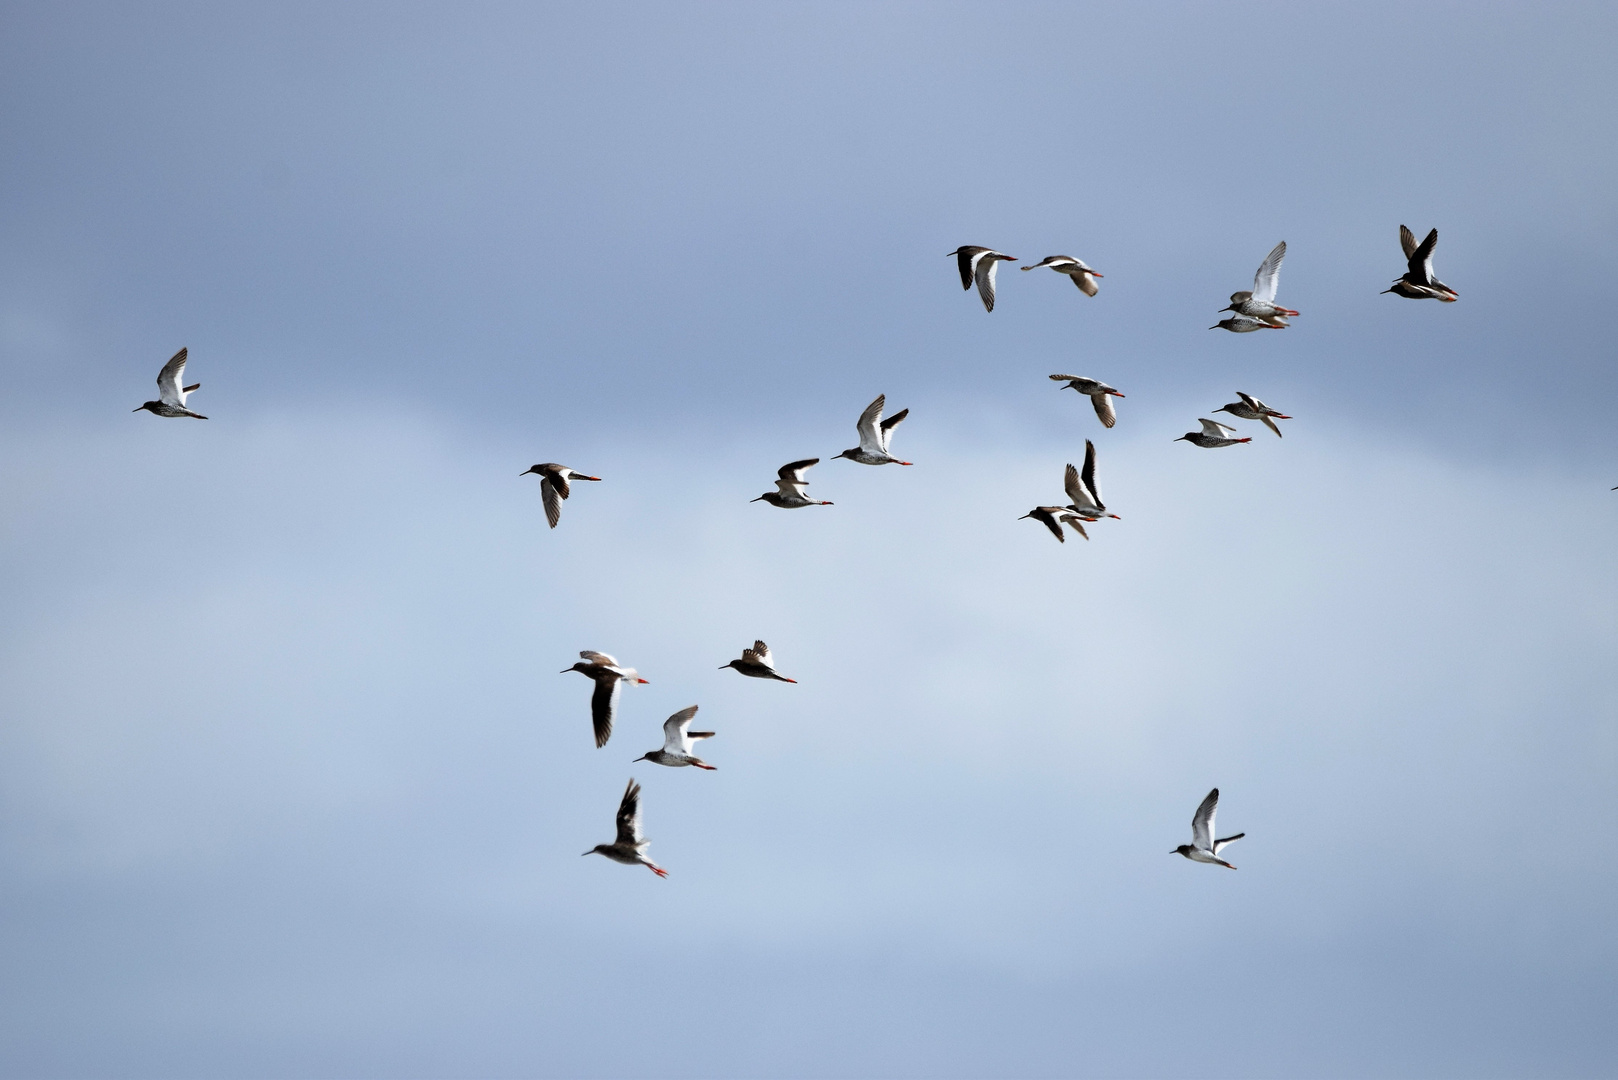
(630, 847)
(875, 434)
(171, 394)
(1203, 847)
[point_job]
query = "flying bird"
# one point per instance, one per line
(1418, 282)
(170, 394)
(678, 740)
(1203, 847)
(1083, 276)
(1251, 408)
(1099, 393)
(756, 663)
(979, 264)
(1260, 302)
(1212, 436)
(630, 847)
(874, 435)
(1054, 517)
(789, 493)
(1246, 324)
(1084, 498)
(609, 676)
(553, 485)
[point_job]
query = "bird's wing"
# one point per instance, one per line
(1268, 277)
(1270, 424)
(1422, 261)
(1076, 523)
(675, 739)
(1069, 378)
(1043, 516)
(1089, 474)
(1407, 241)
(965, 257)
(629, 816)
(597, 658)
(1086, 282)
(1220, 845)
(1252, 402)
(794, 470)
(553, 496)
(1202, 822)
(889, 424)
(758, 654)
(984, 274)
(603, 704)
(1214, 429)
(169, 379)
(792, 481)
(870, 437)
(1104, 409)
(1077, 493)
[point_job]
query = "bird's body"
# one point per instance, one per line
(1246, 324)
(757, 663)
(789, 493)
(1082, 275)
(630, 847)
(978, 264)
(1212, 436)
(1084, 497)
(678, 739)
(1054, 517)
(1418, 282)
(608, 676)
(1203, 847)
(553, 486)
(1099, 393)
(1251, 408)
(1259, 303)
(875, 433)
(171, 393)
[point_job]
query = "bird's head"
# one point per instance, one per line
(1183, 849)
(581, 667)
(150, 406)
(525, 472)
(599, 849)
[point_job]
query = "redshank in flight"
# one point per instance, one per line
(1251, 408)
(979, 264)
(1418, 282)
(170, 394)
(609, 675)
(1083, 276)
(1212, 436)
(677, 742)
(757, 663)
(553, 485)
(1203, 847)
(1260, 303)
(874, 434)
(1084, 498)
(1246, 324)
(1099, 393)
(630, 847)
(789, 493)
(1054, 517)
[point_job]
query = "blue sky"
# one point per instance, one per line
(290, 784)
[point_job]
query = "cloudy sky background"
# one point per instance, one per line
(290, 784)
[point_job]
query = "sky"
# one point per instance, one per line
(291, 782)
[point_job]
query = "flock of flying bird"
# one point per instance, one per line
(1251, 310)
